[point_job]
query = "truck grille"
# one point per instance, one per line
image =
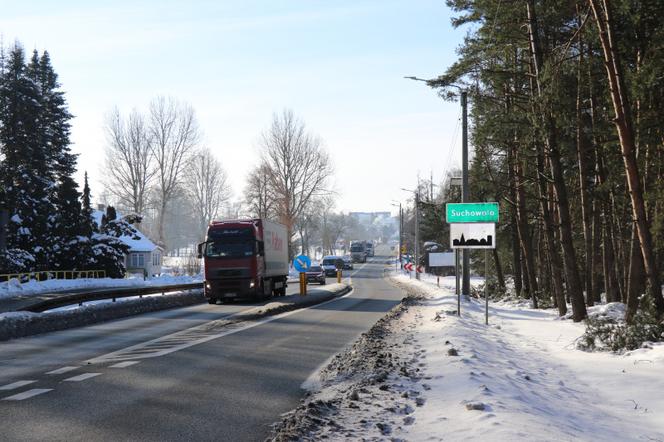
(232, 273)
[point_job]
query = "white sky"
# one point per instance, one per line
(338, 65)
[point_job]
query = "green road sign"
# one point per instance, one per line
(472, 212)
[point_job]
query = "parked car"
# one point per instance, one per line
(330, 264)
(348, 262)
(316, 274)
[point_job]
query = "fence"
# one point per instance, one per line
(53, 274)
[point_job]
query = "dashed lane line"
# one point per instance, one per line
(15, 385)
(27, 394)
(124, 364)
(194, 336)
(82, 377)
(63, 370)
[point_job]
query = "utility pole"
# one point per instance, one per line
(417, 233)
(465, 190)
(400, 235)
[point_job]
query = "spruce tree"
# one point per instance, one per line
(26, 185)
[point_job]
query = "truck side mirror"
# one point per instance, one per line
(199, 248)
(261, 248)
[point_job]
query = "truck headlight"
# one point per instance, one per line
(252, 284)
(208, 285)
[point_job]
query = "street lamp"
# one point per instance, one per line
(400, 232)
(465, 190)
(417, 229)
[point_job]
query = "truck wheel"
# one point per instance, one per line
(267, 289)
(212, 301)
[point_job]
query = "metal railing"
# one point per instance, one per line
(53, 274)
(48, 302)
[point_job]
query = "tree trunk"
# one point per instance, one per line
(623, 122)
(574, 288)
(635, 283)
(582, 148)
(514, 228)
(525, 235)
(499, 269)
(551, 244)
(596, 266)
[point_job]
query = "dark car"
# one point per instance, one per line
(316, 274)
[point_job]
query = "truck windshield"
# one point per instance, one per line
(357, 249)
(224, 249)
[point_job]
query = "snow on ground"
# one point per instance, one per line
(533, 381)
(14, 288)
(448, 378)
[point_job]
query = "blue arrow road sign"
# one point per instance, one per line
(302, 263)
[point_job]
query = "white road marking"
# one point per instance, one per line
(27, 394)
(132, 352)
(16, 385)
(62, 370)
(82, 377)
(124, 364)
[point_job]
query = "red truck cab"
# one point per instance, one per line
(244, 258)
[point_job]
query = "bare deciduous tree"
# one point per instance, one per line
(297, 165)
(337, 225)
(207, 187)
(258, 195)
(174, 136)
(129, 169)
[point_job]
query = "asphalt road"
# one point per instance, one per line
(110, 382)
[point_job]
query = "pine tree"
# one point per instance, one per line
(26, 185)
(68, 225)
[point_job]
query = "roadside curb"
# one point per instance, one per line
(24, 324)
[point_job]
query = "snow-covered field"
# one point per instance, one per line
(14, 288)
(451, 378)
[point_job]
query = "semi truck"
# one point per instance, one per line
(370, 249)
(245, 258)
(358, 251)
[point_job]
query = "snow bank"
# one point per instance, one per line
(528, 376)
(423, 373)
(13, 287)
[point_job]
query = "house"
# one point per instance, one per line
(144, 257)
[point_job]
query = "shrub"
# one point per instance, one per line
(607, 333)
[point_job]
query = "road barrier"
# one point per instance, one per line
(53, 274)
(51, 301)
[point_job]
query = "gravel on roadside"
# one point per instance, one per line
(382, 367)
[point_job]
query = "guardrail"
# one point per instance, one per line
(53, 274)
(51, 301)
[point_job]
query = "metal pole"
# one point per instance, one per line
(400, 237)
(417, 233)
(486, 286)
(456, 276)
(465, 190)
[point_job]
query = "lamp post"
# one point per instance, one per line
(465, 190)
(417, 229)
(400, 232)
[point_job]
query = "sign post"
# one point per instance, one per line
(473, 226)
(456, 276)
(302, 264)
(486, 287)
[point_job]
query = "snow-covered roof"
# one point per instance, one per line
(143, 244)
